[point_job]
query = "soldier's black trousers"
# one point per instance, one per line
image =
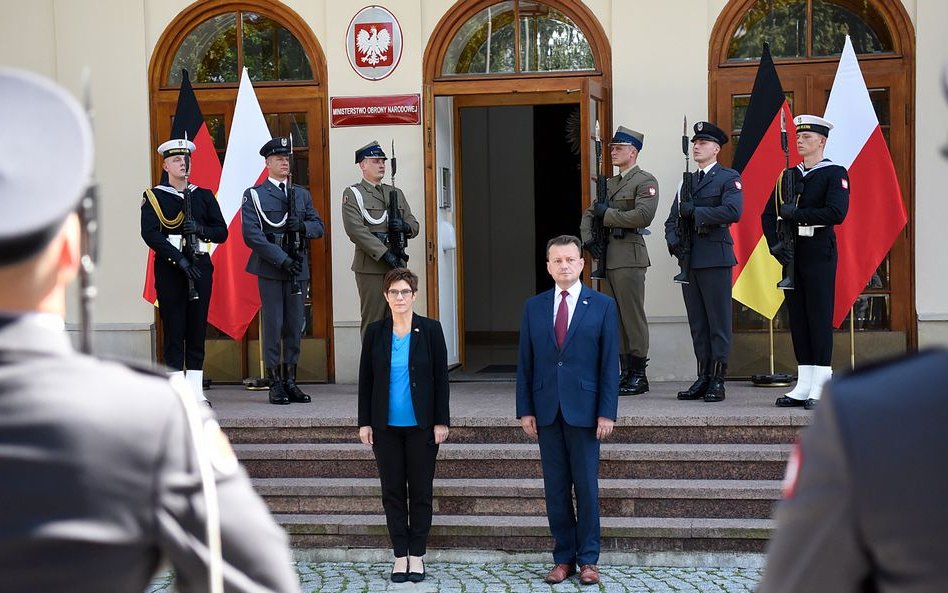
(708, 303)
(183, 322)
(810, 303)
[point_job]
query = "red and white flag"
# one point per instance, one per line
(876, 211)
(235, 298)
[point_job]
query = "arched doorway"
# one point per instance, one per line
(215, 41)
(806, 38)
(506, 85)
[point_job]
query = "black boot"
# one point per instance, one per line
(293, 391)
(715, 392)
(624, 375)
(277, 393)
(638, 382)
(697, 389)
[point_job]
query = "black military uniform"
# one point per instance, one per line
(163, 227)
(265, 218)
(716, 203)
(821, 201)
(864, 495)
(99, 479)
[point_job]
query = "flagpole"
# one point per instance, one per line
(774, 379)
(852, 339)
(260, 383)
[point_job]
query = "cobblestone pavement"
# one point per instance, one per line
(357, 577)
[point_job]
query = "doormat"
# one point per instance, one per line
(499, 368)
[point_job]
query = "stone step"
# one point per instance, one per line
(721, 499)
(720, 429)
(617, 461)
(532, 534)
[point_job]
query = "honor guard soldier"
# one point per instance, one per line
(365, 215)
(633, 200)
(715, 204)
(271, 225)
(821, 201)
(98, 461)
(179, 221)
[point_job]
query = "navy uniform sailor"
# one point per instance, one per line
(717, 200)
(267, 226)
(633, 200)
(164, 229)
(98, 461)
(821, 201)
(365, 218)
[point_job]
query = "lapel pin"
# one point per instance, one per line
(585, 301)
(415, 330)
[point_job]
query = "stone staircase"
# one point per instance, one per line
(670, 480)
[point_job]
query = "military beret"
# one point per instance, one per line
(708, 131)
(811, 123)
(625, 136)
(34, 209)
(176, 146)
(372, 150)
(278, 145)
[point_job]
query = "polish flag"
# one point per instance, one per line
(876, 211)
(235, 298)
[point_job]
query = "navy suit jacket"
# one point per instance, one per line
(266, 256)
(582, 379)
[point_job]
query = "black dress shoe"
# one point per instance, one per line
(697, 389)
(810, 404)
(789, 402)
(417, 577)
(400, 576)
(715, 392)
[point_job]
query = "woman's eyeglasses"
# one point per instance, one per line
(404, 293)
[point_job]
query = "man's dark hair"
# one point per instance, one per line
(564, 240)
(393, 276)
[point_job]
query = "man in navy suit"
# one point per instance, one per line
(267, 226)
(716, 203)
(567, 397)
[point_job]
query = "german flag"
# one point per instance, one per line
(205, 166)
(759, 159)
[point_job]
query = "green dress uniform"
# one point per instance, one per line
(633, 201)
(365, 218)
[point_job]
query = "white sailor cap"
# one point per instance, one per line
(812, 123)
(38, 116)
(176, 146)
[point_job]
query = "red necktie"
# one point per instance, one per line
(562, 320)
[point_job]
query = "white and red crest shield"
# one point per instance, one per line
(374, 43)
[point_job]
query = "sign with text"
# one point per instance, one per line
(375, 111)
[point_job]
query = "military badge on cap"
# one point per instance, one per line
(176, 146)
(372, 150)
(705, 130)
(34, 209)
(626, 137)
(278, 145)
(812, 123)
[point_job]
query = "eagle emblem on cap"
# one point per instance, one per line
(283, 141)
(699, 126)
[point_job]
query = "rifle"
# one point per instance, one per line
(686, 226)
(88, 238)
(294, 244)
(397, 241)
(600, 234)
(190, 239)
(786, 230)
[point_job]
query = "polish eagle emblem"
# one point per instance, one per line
(373, 44)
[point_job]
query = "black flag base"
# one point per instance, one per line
(773, 380)
(257, 383)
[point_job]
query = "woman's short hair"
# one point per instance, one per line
(394, 275)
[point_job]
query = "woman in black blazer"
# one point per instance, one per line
(404, 416)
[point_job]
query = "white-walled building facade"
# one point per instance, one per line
(502, 158)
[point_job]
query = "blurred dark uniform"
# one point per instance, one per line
(97, 464)
(633, 201)
(183, 321)
(365, 218)
(717, 199)
(864, 496)
(264, 216)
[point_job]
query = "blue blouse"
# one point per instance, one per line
(401, 412)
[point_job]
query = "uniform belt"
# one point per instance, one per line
(178, 242)
(383, 237)
(808, 230)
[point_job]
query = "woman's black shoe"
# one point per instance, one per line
(402, 576)
(417, 577)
